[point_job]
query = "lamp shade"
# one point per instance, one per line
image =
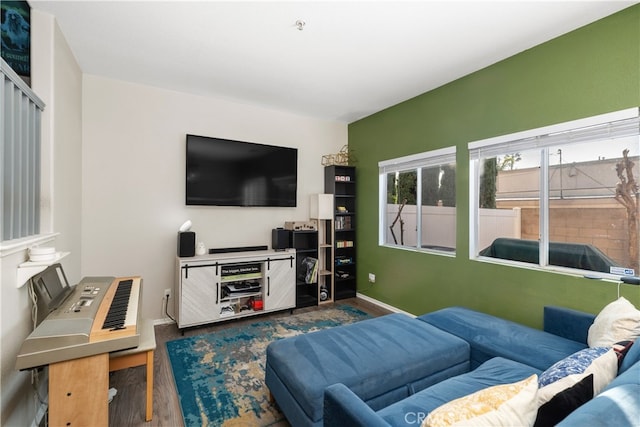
(321, 206)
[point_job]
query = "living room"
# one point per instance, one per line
(113, 185)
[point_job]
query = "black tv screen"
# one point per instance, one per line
(224, 172)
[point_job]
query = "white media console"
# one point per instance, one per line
(216, 287)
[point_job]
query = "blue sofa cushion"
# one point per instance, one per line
(618, 406)
(371, 357)
(412, 410)
(492, 336)
(630, 376)
(567, 323)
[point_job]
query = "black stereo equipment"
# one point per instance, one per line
(238, 249)
(186, 243)
(280, 239)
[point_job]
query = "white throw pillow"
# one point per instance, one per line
(618, 321)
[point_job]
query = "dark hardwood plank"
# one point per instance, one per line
(127, 408)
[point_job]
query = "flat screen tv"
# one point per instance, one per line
(224, 172)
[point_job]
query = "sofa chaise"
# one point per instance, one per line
(395, 370)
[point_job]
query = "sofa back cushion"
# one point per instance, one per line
(491, 336)
(568, 323)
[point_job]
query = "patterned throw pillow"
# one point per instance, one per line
(617, 321)
(602, 362)
(501, 405)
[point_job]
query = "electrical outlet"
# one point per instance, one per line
(167, 293)
(372, 278)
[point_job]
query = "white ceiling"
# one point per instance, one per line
(352, 58)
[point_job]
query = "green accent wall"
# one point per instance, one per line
(592, 70)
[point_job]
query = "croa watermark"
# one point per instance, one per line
(414, 418)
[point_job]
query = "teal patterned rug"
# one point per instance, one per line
(220, 376)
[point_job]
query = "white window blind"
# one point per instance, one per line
(605, 126)
(20, 115)
(415, 161)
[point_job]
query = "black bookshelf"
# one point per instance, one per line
(341, 182)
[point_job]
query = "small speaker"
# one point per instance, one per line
(280, 239)
(186, 243)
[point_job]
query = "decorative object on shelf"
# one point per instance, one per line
(201, 249)
(311, 269)
(343, 158)
(42, 254)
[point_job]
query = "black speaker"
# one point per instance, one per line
(280, 239)
(186, 243)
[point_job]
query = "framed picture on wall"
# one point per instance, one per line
(15, 26)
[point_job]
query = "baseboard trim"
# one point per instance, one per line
(382, 304)
(163, 321)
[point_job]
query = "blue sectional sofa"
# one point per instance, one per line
(502, 352)
(394, 370)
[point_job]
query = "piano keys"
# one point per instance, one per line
(101, 315)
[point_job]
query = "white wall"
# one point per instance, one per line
(56, 79)
(133, 177)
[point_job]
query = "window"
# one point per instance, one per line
(20, 112)
(559, 197)
(418, 201)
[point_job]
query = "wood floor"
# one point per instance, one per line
(127, 407)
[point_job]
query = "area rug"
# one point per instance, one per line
(219, 376)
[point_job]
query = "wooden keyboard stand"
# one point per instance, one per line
(139, 356)
(79, 392)
(79, 388)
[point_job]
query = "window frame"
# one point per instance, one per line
(617, 123)
(413, 162)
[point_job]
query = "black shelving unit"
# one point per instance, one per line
(305, 242)
(341, 182)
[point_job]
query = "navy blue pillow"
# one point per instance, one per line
(565, 402)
